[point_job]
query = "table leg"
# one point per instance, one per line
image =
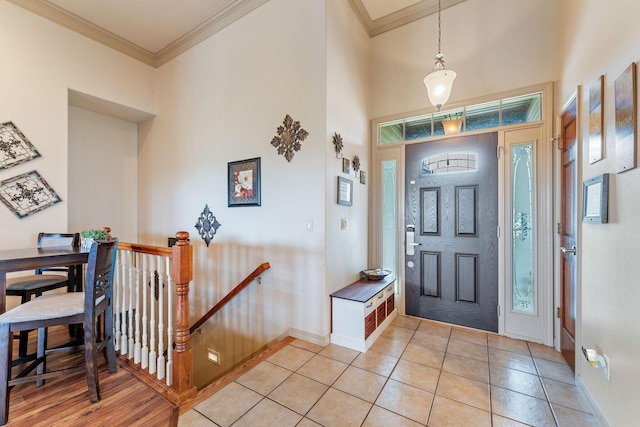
(3, 291)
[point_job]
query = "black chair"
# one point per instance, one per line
(27, 287)
(65, 309)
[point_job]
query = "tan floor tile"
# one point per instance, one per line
(466, 367)
(509, 359)
(435, 328)
(544, 352)
(380, 417)
(298, 393)
(193, 418)
(323, 369)
(468, 335)
(568, 417)
(567, 395)
(425, 339)
(406, 322)
(555, 371)
(337, 352)
(306, 422)
(398, 333)
(229, 404)
(447, 412)
(522, 408)
(468, 349)
(417, 375)
(360, 383)
(291, 357)
(464, 390)
(405, 400)
(264, 377)
(339, 409)
(499, 421)
(425, 356)
(268, 414)
(307, 345)
(389, 346)
(509, 344)
(375, 362)
(519, 381)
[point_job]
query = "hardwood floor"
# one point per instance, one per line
(64, 400)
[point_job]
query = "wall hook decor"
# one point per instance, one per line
(356, 164)
(289, 138)
(207, 225)
(337, 145)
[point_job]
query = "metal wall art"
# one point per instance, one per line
(289, 138)
(595, 120)
(625, 119)
(356, 164)
(207, 225)
(337, 145)
(27, 194)
(15, 148)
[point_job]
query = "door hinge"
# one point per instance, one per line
(558, 312)
(559, 228)
(558, 141)
(498, 310)
(498, 148)
(498, 231)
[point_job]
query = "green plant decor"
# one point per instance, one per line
(95, 234)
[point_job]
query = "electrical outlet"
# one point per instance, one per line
(607, 371)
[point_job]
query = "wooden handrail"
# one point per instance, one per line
(250, 278)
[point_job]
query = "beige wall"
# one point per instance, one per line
(601, 38)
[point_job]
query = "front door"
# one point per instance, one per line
(451, 243)
(568, 212)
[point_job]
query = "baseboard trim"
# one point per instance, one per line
(312, 338)
(592, 402)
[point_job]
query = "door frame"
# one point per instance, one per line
(397, 151)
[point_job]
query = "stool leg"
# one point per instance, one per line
(6, 349)
(41, 356)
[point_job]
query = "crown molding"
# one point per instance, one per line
(211, 26)
(401, 17)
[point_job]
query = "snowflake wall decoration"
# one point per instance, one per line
(207, 225)
(15, 148)
(337, 145)
(27, 194)
(356, 164)
(289, 138)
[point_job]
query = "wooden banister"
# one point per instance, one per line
(250, 278)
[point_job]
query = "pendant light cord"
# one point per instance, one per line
(439, 28)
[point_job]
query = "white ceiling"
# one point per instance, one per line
(155, 31)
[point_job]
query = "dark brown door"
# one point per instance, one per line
(569, 214)
(451, 221)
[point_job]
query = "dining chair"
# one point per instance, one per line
(65, 309)
(26, 287)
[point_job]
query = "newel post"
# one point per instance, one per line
(182, 272)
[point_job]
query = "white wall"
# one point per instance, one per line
(103, 173)
(493, 45)
(600, 38)
(41, 62)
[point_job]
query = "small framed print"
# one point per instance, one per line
(595, 120)
(363, 177)
(595, 199)
(345, 191)
(244, 183)
(346, 165)
(625, 119)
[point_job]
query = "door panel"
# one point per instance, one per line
(451, 211)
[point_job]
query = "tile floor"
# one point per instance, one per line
(418, 373)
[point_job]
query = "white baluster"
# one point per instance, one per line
(170, 325)
(131, 281)
(144, 362)
(161, 311)
(116, 292)
(152, 322)
(123, 312)
(136, 347)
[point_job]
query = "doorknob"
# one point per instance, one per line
(571, 250)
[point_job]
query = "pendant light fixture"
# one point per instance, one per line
(440, 81)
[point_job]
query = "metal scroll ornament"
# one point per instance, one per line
(289, 138)
(207, 225)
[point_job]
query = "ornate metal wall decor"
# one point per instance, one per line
(207, 225)
(15, 148)
(289, 138)
(27, 194)
(356, 164)
(337, 145)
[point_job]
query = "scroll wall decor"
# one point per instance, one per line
(289, 138)
(207, 225)
(27, 194)
(15, 148)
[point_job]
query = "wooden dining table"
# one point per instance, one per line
(12, 260)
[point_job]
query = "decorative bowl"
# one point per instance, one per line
(375, 274)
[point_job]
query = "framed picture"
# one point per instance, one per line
(595, 120)
(345, 191)
(363, 177)
(625, 120)
(595, 199)
(346, 166)
(244, 183)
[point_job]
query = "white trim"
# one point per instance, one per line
(592, 402)
(307, 336)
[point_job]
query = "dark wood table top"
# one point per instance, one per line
(363, 289)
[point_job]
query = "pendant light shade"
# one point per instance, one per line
(440, 81)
